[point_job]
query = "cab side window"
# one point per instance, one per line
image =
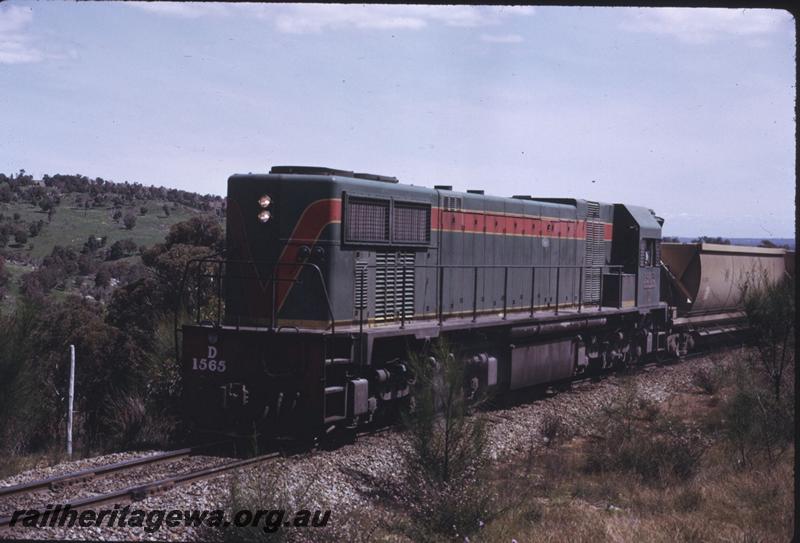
(648, 253)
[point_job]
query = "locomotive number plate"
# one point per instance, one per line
(210, 363)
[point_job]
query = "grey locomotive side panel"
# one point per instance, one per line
(479, 249)
(541, 363)
(520, 255)
(494, 277)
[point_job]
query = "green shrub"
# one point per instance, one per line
(636, 438)
(446, 457)
(705, 380)
(770, 313)
(754, 420)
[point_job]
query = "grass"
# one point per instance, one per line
(719, 500)
(72, 226)
(554, 493)
(15, 273)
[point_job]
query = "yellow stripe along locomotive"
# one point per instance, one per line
(330, 277)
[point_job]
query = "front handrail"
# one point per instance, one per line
(272, 280)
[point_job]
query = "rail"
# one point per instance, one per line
(91, 473)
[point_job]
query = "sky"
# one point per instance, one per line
(688, 111)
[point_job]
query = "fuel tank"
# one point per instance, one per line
(708, 278)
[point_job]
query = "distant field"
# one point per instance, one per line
(72, 226)
(753, 242)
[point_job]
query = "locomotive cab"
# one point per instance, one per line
(636, 247)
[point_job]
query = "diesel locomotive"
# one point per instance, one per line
(330, 278)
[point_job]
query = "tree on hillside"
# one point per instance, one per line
(202, 230)
(129, 221)
(117, 215)
(121, 248)
(4, 273)
(103, 277)
(35, 372)
(92, 244)
(136, 308)
(198, 237)
(166, 210)
(35, 227)
(46, 204)
(143, 210)
(21, 237)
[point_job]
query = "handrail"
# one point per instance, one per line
(273, 280)
(618, 268)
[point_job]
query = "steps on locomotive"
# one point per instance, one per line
(339, 356)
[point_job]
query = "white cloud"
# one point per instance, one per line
(702, 25)
(14, 18)
(16, 47)
(502, 38)
(189, 10)
(317, 17)
(312, 18)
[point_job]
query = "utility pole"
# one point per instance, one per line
(71, 397)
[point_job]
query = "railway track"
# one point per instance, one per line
(140, 492)
(60, 481)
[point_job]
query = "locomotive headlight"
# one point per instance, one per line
(264, 215)
(264, 201)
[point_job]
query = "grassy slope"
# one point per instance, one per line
(722, 502)
(16, 273)
(71, 226)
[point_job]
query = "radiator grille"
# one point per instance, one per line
(367, 219)
(594, 254)
(393, 296)
(412, 223)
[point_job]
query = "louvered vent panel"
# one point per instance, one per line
(392, 294)
(594, 254)
(360, 298)
(367, 220)
(452, 203)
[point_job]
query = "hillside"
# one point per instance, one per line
(37, 215)
(71, 225)
(65, 228)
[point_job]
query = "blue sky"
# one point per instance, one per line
(687, 111)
